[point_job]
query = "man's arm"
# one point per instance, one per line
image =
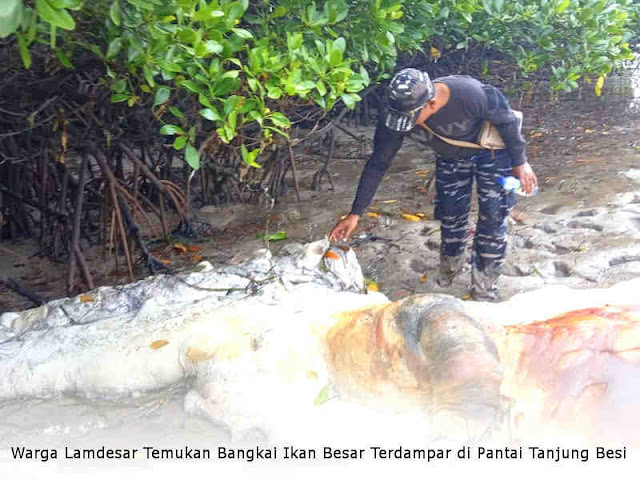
(386, 143)
(499, 113)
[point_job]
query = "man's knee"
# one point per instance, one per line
(452, 207)
(494, 208)
(492, 222)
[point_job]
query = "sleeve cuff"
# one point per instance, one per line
(517, 160)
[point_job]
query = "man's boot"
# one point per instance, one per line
(449, 268)
(484, 284)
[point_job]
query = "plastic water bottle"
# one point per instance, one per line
(512, 184)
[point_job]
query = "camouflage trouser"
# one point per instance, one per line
(454, 180)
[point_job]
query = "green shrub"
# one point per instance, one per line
(219, 67)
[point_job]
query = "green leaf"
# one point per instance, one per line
(210, 114)
(242, 33)
(365, 75)
(235, 12)
(148, 76)
(169, 129)
(179, 142)
(188, 35)
(562, 6)
(340, 44)
(279, 120)
(115, 46)
(335, 57)
(278, 131)
(191, 156)
(305, 86)
(279, 12)
(192, 86)
(57, 17)
(230, 104)
(204, 101)
(274, 92)
(231, 74)
(170, 66)
(274, 237)
(319, 99)
(115, 13)
(176, 112)
(294, 41)
(119, 86)
(223, 85)
(232, 120)
(350, 100)
(10, 18)
(162, 95)
(207, 13)
(25, 54)
(62, 57)
(253, 84)
(323, 396)
(119, 97)
(250, 157)
(211, 46)
(71, 4)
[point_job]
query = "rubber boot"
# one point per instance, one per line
(449, 268)
(484, 284)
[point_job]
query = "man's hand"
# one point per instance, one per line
(344, 228)
(526, 176)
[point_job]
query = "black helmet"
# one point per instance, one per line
(410, 90)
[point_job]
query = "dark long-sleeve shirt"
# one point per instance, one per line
(470, 103)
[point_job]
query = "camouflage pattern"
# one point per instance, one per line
(454, 181)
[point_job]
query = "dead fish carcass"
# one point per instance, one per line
(283, 355)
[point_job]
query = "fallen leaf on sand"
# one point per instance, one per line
(180, 247)
(372, 214)
(390, 201)
(87, 298)
(331, 255)
(371, 285)
(323, 396)
(467, 297)
(411, 218)
(424, 278)
(599, 84)
(158, 344)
